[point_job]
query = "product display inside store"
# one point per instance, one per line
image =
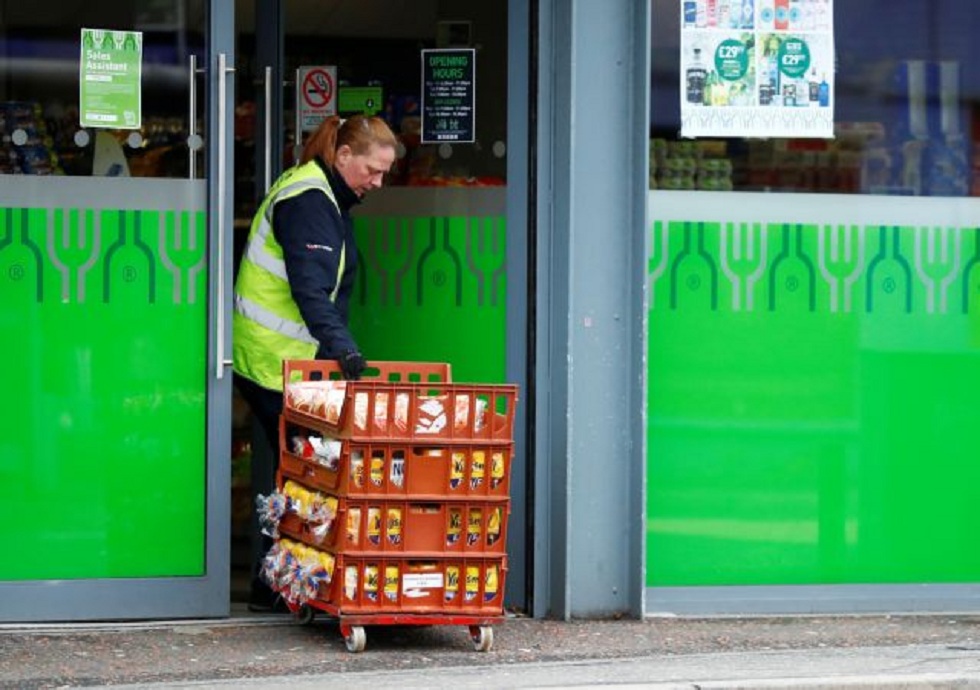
(378, 72)
(904, 100)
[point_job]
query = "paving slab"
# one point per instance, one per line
(276, 652)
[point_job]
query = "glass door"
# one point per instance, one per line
(113, 276)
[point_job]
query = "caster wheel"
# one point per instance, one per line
(356, 640)
(305, 615)
(482, 637)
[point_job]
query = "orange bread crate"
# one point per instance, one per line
(397, 401)
(347, 584)
(385, 526)
(393, 584)
(399, 469)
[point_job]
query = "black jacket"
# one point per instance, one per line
(311, 232)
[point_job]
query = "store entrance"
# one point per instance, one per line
(433, 244)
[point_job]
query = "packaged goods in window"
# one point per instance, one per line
(397, 474)
(353, 525)
(389, 412)
(491, 583)
(316, 509)
(474, 526)
(478, 468)
(323, 399)
(391, 582)
(393, 526)
(454, 529)
(432, 416)
(371, 582)
(494, 523)
(374, 525)
(350, 582)
(472, 582)
(297, 571)
(452, 582)
(325, 452)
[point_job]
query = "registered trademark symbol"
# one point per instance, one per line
(889, 285)
(439, 278)
(792, 283)
(16, 272)
(129, 274)
(693, 282)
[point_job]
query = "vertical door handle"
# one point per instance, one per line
(298, 132)
(221, 172)
(192, 119)
(268, 129)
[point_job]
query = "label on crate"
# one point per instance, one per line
(421, 581)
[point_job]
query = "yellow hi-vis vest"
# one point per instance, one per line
(267, 327)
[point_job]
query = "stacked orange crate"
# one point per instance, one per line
(417, 483)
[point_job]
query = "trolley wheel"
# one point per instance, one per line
(482, 637)
(356, 639)
(305, 614)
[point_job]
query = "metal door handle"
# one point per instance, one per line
(268, 129)
(298, 131)
(221, 183)
(192, 119)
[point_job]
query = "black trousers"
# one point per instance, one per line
(266, 407)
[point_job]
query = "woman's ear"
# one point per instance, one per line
(343, 155)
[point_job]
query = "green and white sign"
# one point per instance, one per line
(794, 57)
(731, 59)
(110, 70)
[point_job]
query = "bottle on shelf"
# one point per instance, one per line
(696, 78)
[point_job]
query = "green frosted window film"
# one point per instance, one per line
(102, 422)
(433, 289)
(813, 392)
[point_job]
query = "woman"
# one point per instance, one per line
(295, 280)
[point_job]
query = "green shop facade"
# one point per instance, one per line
(752, 401)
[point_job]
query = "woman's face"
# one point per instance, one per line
(364, 172)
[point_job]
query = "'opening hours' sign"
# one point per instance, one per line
(448, 95)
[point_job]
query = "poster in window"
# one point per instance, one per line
(757, 68)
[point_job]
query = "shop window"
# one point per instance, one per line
(904, 99)
(40, 130)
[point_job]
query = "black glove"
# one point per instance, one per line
(352, 363)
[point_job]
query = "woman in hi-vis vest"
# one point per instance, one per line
(295, 281)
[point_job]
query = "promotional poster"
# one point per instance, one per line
(757, 68)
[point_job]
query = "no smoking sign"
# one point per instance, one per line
(316, 97)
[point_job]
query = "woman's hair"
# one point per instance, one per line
(358, 132)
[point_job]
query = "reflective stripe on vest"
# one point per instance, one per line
(265, 318)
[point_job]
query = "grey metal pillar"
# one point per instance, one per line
(590, 354)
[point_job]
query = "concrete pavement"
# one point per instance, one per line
(920, 651)
(919, 666)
